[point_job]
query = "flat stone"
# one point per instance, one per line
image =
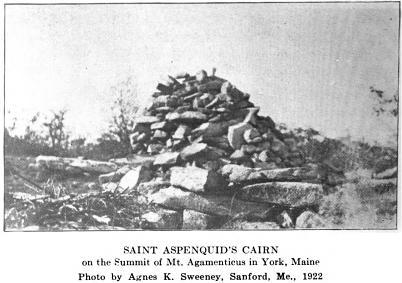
(155, 148)
(387, 174)
(165, 126)
(197, 179)
(244, 225)
(310, 220)
(283, 193)
(167, 158)
(114, 176)
(134, 177)
(181, 132)
(217, 129)
(146, 120)
(187, 117)
(151, 187)
(160, 135)
(135, 160)
(162, 219)
(194, 220)
(238, 155)
(178, 199)
(239, 174)
(235, 134)
(193, 150)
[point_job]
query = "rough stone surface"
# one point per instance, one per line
(283, 193)
(130, 181)
(167, 158)
(239, 174)
(194, 150)
(235, 134)
(162, 219)
(244, 225)
(177, 199)
(310, 220)
(196, 179)
(114, 176)
(284, 220)
(148, 188)
(194, 220)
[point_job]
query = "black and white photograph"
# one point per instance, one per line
(201, 116)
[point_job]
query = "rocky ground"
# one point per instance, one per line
(202, 159)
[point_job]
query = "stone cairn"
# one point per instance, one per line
(204, 159)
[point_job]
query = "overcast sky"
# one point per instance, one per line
(304, 64)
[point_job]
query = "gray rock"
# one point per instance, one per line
(387, 174)
(133, 177)
(135, 160)
(163, 219)
(160, 135)
(193, 150)
(167, 158)
(187, 117)
(251, 134)
(178, 199)
(196, 179)
(244, 225)
(239, 155)
(181, 132)
(148, 188)
(114, 176)
(165, 126)
(146, 120)
(201, 76)
(217, 129)
(155, 148)
(284, 220)
(309, 219)
(194, 220)
(236, 133)
(283, 193)
(239, 174)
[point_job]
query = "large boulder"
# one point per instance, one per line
(177, 199)
(133, 177)
(239, 174)
(284, 193)
(197, 179)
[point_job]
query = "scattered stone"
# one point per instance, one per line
(114, 176)
(284, 220)
(194, 220)
(162, 219)
(155, 148)
(310, 220)
(160, 135)
(148, 188)
(283, 193)
(193, 151)
(244, 225)
(250, 135)
(135, 176)
(181, 132)
(167, 158)
(239, 155)
(178, 199)
(165, 126)
(387, 174)
(236, 133)
(196, 179)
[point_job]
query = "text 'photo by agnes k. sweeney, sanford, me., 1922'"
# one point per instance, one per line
(182, 116)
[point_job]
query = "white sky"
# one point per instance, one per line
(304, 64)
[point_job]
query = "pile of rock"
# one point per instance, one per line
(208, 160)
(203, 158)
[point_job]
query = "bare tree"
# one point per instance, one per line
(124, 110)
(56, 132)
